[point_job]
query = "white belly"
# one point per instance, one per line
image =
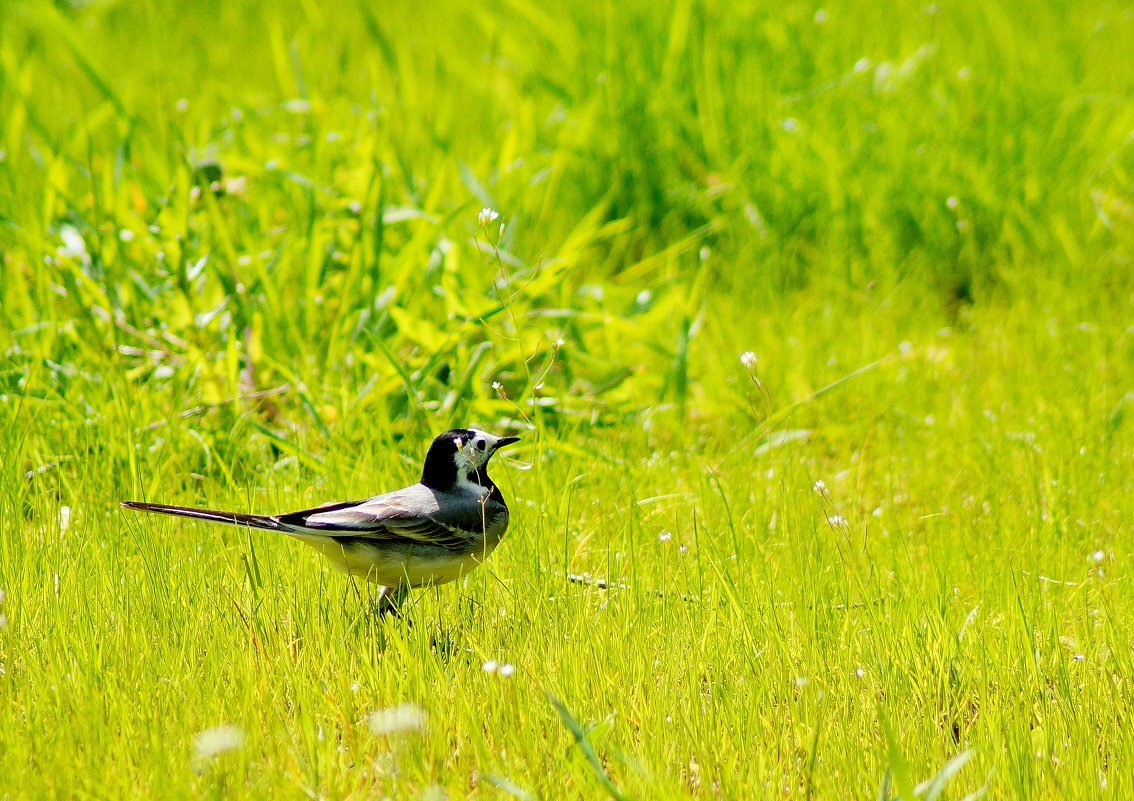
(392, 567)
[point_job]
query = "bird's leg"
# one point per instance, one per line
(390, 600)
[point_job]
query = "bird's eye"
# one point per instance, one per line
(481, 444)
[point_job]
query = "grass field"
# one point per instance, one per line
(243, 264)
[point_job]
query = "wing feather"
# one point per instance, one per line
(406, 517)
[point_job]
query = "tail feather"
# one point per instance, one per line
(229, 518)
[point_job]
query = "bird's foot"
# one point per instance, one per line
(389, 601)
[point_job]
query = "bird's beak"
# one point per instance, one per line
(500, 443)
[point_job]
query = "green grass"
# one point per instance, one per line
(240, 266)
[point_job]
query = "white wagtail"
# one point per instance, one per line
(429, 533)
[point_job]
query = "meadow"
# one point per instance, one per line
(817, 323)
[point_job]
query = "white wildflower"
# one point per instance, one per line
(1098, 556)
(665, 536)
(487, 216)
(73, 245)
(838, 521)
(403, 717)
(507, 670)
(64, 518)
(748, 360)
(217, 740)
(820, 487)
(491, 666)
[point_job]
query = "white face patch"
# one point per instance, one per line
(472, 456)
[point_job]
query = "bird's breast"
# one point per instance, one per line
(495, 521)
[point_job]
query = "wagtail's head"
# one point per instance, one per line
(461, 456)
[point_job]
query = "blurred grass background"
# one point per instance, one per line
(241, 265)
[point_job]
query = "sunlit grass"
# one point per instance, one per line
(816, 324)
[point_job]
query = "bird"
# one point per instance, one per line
(428, 533)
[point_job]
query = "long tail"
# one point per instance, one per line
(229, 518)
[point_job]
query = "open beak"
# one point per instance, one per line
(500, 443)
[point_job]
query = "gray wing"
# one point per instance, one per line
(409, 516)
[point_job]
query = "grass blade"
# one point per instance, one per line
(587, 749)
